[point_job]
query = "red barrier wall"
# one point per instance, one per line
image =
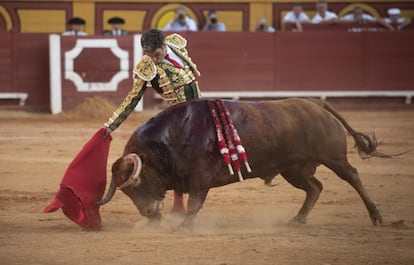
(319, 60)
(24, 63)
(327, 60)
(234, 61)
(6, 58)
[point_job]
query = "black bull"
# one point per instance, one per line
(177, 150)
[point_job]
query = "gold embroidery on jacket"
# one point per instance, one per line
(145, 69)
(176, 40)
(171, 80)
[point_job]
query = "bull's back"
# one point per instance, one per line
(287, 130)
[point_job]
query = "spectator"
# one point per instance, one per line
(181, 22)
(116, 23)
(263, 27)
(75, 27)
(323, 15)
(358, 16)
(394, 21)
(296, 15)
(212, 22)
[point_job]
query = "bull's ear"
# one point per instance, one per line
(121, 170)
(132, 166)
(118, 166)
(126, 163)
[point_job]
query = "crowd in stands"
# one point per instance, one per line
(394, 21)
(297, 16)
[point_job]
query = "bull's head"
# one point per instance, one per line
(126, 175)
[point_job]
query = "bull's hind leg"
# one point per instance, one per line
(348, 173)
(302, 177)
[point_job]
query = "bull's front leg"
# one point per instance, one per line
(194, 204)
(178, 206)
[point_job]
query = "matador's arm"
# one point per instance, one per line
(144, 72)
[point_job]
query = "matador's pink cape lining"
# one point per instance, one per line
(84, 183)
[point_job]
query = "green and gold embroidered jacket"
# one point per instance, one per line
(174, 85)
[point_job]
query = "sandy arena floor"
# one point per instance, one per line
(243, 223)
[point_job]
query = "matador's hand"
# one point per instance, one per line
(107, 132)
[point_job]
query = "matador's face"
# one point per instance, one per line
(158, 54)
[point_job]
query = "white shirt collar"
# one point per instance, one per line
(173, 56)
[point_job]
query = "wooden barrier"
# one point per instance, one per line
(343, 26)
(24, 67)
(97, 66)
(350, 27)
(237, 95)
(328, 63)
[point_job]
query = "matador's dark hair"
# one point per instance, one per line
(152, 39)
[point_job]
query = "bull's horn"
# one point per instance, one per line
(134, 177)
(109, 194)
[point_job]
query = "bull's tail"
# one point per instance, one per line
(366, 146)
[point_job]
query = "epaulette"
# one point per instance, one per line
(176, 41)
(145, 69)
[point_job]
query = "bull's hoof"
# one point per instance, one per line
(297, 220)
(154, 220)
(183, 229)
(187, 224)
(180, 212)
(376, 217)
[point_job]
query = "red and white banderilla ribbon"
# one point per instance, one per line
(224, 151)
(228, 149)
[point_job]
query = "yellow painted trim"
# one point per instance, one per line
(257, 11)
(5, 14)
(85, 10)
(365, 7)
(134, 19)
(32, 20)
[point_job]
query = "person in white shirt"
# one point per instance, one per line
(323, 15)
(394, 21)
(181, 22)
(358, 16)
(75, 27)
(296, 15)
